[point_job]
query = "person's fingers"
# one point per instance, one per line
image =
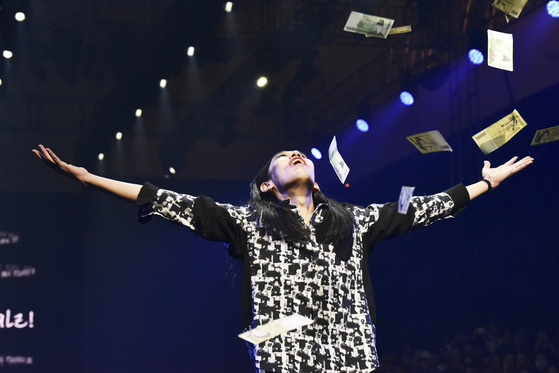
(53, 156)
(42, 149)
(36, 152)
(41, 155)
(512, 160)
(524, 162)
(45, 154)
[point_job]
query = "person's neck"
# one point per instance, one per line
(302, 198)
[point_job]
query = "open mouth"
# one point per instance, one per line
(297, 161)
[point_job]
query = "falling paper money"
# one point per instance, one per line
(511, 8)
(337, 161)
(405, 197)
(546, 135)
(499, 46)
(497, 134)
(369, 25)
(430, 142)
(399, 30)
(396, 30)
(274, 328)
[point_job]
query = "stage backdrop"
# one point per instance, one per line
(87, 288)
(84, 287)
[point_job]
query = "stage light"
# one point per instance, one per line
(172, 170)
(101, 156)
(190, 51)
(406, 98)
(138, 113)
(0, 81)
(163, 83)
(262, 81)
(362, 125)
(20, 16)
(228, 6)
(316, 153)
(118, 136)
(7, 54)
(553, 8)
(475, 56)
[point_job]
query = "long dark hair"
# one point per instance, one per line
(336, 227)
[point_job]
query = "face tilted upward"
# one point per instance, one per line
(290, 168)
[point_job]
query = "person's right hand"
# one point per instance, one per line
(66, 169)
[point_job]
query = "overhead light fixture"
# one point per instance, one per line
(262, 81)
(406, 98)
(476, 57)
(172, 170)
(190, 51)
(316, 153)
(228, 6)
(362, 125)
(20, 16)
(138, 113)
(7, 54)
(163, 83)
(553, 8)
(101, 156)
(118, 136)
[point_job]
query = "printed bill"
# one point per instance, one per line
(396, 30)
(274, 328)
(499, 133)
(511, 8)
(336, 160)
(499, 47)
(429, 142)
(399, 30)
(405, 197)
(361, 23)
(546, 135)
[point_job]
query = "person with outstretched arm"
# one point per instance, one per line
(302, 252)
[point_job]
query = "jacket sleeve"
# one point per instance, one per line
(205, 217)
(386, 222)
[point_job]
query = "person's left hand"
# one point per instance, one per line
(498, 174)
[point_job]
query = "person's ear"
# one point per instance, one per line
(266, 186)
(316, 188)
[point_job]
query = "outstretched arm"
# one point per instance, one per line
(497, 175)
(121, 189)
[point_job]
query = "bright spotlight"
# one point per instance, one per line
(362, 125)
(118, 136)
(262, 81)
(172, 170)
(138, 113)
(7, 54)
(406, 98)
(553, 8)
(20, 16)
(190, 51)
(228, 6)
(316, 153)
(101, 156)
(163, 83)
(475, 56)
(0, 81)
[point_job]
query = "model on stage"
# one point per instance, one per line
(302, 252)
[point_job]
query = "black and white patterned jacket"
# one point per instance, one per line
(281, 278)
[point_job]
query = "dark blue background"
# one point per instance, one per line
(113, 295)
